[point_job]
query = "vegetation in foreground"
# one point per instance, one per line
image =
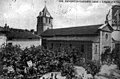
(34, 62)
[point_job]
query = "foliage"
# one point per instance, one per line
(92, 68)
(43, 60)
(111, 57)
(115, 56)
(68, 70)
(105, 56)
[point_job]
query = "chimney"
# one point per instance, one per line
(6, 27)
(32, 31)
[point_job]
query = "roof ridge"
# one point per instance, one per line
(77, 26)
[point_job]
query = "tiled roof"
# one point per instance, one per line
(1, 29)
(80, 30)
(20, 34)
(12, 33)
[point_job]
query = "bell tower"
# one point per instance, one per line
(44, 21)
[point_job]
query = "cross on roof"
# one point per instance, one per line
(45, 2)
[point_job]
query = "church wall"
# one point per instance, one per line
(74, 38)
(44, 19)
(25, 43)
(113, 45)
(39, 26)
(106, 37)
(106, 41)
(84, 47)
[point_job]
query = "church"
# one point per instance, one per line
(91, 40)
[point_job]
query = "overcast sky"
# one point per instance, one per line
(22, 13)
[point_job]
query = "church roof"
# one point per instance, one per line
(45, 12)
(13, 33)
(80, 30)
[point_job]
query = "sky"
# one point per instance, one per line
(22, 13)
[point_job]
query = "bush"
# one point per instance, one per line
(68, 70)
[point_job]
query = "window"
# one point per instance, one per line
(82, 48)
(46, 20)
(41, 20)
(44, 43)
(10, 44)
(45, 46)
(102, 33)
(70, 45)
(95, 49)
(60, 45)
(47, 28)
(117, 46)
(106, 36)
(51, 45)
(49, 20)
